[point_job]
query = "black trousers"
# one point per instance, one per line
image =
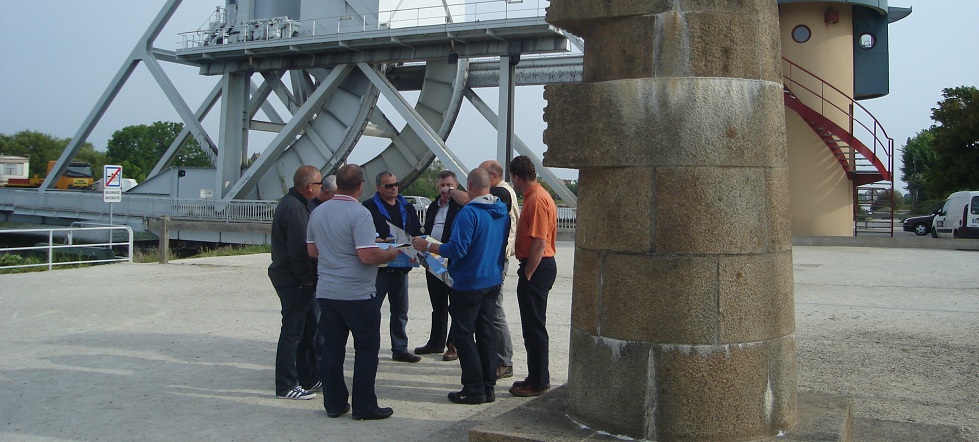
(532, 299)
(474, 337)
(295, 354)
(339, 320)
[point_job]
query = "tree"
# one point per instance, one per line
(956, 141)
(138, 148)
(919, 159)
(427, 183)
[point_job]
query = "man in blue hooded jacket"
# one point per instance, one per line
(476, 250)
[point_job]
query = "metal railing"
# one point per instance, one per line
(70, 253)
(840, 108)
(219, 32)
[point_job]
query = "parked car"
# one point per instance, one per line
(920, 225)
(420, 202)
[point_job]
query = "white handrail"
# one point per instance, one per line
(70, 233)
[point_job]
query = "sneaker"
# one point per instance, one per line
(316, 387)
(297, 393)
(459, 398)
(504, 371)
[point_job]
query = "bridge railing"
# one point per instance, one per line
(219, 32)
(94, 251)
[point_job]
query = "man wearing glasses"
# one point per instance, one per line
(388, 206)
(293, 276)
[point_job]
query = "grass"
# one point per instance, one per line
(153, 254)
(235, 250)
(9, 259)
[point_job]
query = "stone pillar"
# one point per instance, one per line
(682, 317)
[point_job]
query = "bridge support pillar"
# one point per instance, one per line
(682, 317)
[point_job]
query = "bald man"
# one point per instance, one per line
(503, 191)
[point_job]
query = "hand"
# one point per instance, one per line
(419, 243)
(445, 191)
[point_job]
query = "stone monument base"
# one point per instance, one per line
(822, 417)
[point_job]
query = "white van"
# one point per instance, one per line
(959, 217)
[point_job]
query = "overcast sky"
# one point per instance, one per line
(60, 55)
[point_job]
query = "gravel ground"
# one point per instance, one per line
(894, 329)
(185, 351)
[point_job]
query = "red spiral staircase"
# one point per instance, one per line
(862, 149)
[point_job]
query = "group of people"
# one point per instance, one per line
(332, 270)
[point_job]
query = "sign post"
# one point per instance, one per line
(112, 190)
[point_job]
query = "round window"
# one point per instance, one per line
(867, 41)
(801, 34)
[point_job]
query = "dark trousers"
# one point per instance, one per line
(339, 319)
(438, 293)
(393, 283)
(295, 354)
(472, 315)
(532, 299)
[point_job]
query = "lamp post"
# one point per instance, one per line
(180, 174)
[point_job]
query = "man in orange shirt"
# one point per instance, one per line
(536, 233)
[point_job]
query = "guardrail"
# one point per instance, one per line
(220, 32)
(71, 253)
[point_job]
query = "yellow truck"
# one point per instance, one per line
(77, 176)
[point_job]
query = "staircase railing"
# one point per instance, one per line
(840, 107)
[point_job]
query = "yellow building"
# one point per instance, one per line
(834, 53)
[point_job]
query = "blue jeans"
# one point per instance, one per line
(393, 283)
(504, 346)
(295, 354)
(532, 299)
(339, 319)
(472, 315)
(438, 293)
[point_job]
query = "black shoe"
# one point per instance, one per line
(490, 395)
(459, 398)
(425, 350)
(406, 357)
(380, 413)
(346, 409)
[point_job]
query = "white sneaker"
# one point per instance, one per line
(297, 393)
(316, 387)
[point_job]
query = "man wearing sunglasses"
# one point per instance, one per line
(388, 206)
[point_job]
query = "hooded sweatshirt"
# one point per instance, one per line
(477, 245)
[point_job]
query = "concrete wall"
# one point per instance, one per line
(820, 193)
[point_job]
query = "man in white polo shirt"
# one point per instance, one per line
(341, 235)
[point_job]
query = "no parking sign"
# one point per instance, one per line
(112, 191)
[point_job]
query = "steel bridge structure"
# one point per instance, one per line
(328, 73)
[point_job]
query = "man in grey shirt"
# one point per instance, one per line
(341, 235)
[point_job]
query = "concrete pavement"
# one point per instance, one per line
(185, 351)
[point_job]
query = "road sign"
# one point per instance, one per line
(112, 195)
(112, 189)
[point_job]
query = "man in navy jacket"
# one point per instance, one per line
(388, 206)
(438, 225)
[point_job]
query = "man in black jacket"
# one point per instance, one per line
(294, 277)
(388, 206)
(438, 225)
